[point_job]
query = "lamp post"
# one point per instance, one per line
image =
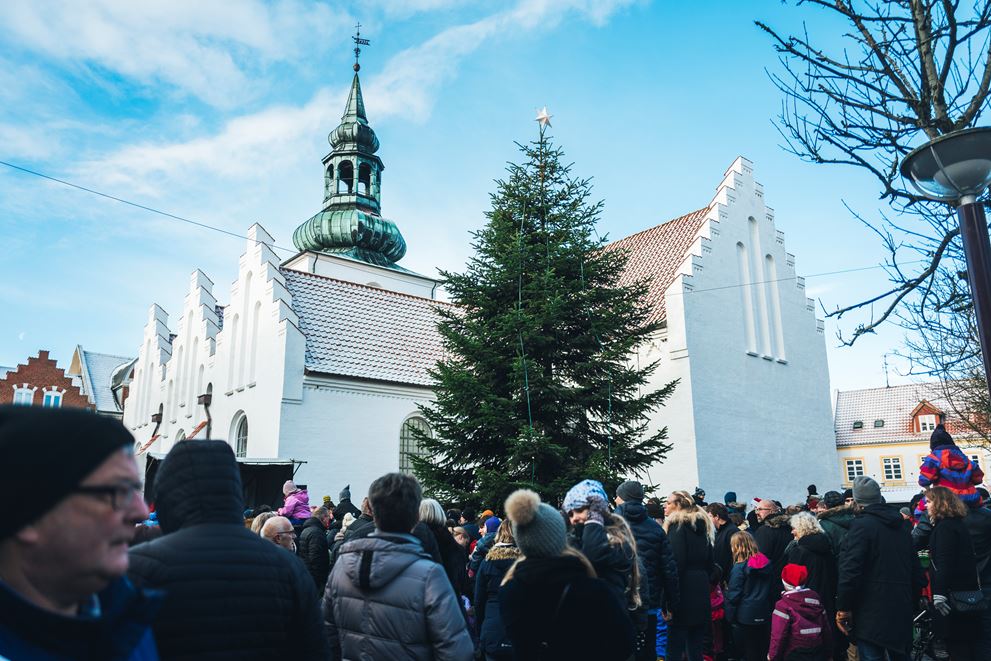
(956, 168)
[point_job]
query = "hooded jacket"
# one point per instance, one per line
(654, 550)
(491, 630)
(386, 599)
(690, 534)
(773, 538)
(835, 523)
(541, 618)
(297, 505)
(229, 594)
(314, 552)
(815, 554)
(799, 622)
(879, 578)
(749, 597)
(947, 466)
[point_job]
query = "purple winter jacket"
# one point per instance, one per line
(297, 505)
(799, 622)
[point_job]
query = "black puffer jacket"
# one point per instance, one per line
(816, 555)
(613, 563)
(491, 631)
(722, 549)
(314, 553)
(453, 559)
(229, 593)
(654, 550)
(691, 535)
(879, 578)
(773, 538)
(546, 623)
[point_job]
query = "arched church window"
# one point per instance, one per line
(345, 177)
(328, 181)
(364, 179)
(409, 442)
(240, 434)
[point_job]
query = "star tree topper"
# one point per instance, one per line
(543, 117)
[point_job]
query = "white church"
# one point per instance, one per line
(323, 358)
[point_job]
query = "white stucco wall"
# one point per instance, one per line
(348, 431)
(252, 364)
(760, 396)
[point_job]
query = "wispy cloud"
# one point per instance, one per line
(211, 50)
(406, 87)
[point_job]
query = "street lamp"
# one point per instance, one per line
(956, 168)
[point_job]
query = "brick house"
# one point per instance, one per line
(41, 382)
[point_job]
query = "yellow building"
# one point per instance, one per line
(884, 433)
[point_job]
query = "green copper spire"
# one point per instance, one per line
(350, 224)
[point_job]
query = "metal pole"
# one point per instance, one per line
(977, 248)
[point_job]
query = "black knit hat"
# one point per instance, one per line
(940, 437)
(49, 452)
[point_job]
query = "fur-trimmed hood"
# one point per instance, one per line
(697, 519)
(839, 511)
(503, 552)
(778, 521)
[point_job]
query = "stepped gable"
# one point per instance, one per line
(656, 253)
(364, 332)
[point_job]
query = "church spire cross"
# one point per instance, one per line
(358, 43)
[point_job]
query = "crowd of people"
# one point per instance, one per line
(595, 575)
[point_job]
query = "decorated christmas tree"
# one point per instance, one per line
(541, 385)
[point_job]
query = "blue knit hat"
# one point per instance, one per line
(584, 494)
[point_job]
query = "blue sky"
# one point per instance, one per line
(219, 112)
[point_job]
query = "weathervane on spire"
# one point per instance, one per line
(358, 43)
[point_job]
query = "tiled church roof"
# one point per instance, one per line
(365, 332)
(894, 406)
(656, 253)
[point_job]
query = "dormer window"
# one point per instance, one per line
(859, 424)
(927, 423)
(878, 423)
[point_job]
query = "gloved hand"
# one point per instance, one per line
(941, 604)
(595, 516)
(597, 510)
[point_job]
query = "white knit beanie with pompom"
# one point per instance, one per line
(538, 528)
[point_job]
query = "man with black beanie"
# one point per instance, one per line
(63, 547)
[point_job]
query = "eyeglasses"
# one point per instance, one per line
(118, 495)
(287, 532)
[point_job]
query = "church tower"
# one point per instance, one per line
(349, 239)
(350, 224)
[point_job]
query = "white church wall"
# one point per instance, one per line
(679, 468)
(348, 432)
(244, 365)
(760, 381)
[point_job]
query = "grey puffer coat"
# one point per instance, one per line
(386, 599)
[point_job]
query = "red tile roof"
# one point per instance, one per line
(656, 253)
(365, 332)
(895, 406)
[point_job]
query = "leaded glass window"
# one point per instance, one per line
(409, 444)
